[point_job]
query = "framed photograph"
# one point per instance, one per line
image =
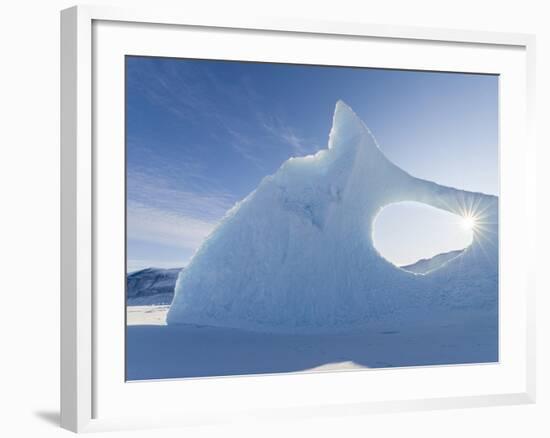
(284, 218)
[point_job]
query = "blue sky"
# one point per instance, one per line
(202, 134)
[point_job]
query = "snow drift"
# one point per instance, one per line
(297, 254)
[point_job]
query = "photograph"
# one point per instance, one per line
(299, 218)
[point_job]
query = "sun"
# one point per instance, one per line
(468, 222)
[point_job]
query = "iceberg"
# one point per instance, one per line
(297, 254)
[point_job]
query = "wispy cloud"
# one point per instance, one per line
(285, 134)
(158, 212)
(157, 225)
(246, 147)
(185, 89)
(158, 191)
(177, 90)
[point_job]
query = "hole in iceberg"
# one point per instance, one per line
(419, 238)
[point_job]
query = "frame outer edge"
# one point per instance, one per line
(532, 199)
(76, 337)
(186, 17)
(68, 220)
(76, 219)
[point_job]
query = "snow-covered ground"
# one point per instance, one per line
(146, 315)
(158, 351)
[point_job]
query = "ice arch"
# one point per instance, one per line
(295, 255)
(419, 238)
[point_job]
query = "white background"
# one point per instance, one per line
(29, 181)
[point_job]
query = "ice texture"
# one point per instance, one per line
(297, 254)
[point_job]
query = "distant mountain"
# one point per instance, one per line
(151, 286)
(423, 266)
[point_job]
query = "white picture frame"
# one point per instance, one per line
(84, 383)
